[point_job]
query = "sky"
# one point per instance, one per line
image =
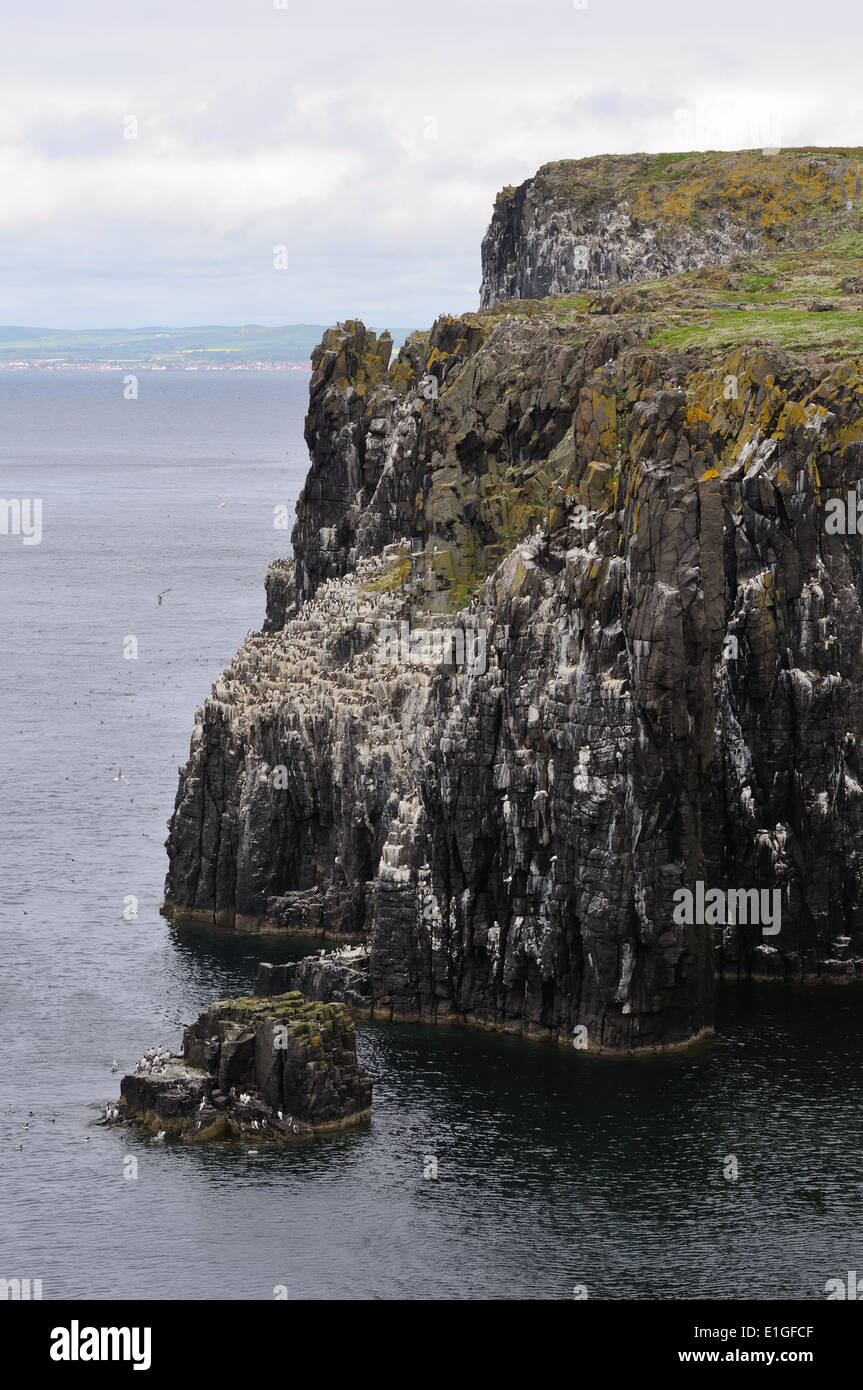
(287, 161)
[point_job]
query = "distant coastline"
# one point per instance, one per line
(39, 365)
(249, 347)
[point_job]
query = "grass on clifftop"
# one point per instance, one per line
(785, 193)
(794, 299)
(787, 328)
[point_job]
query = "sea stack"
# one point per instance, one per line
(276, 1068)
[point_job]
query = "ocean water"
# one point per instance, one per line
(554, 1170)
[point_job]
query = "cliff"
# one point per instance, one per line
(595, 223)
(567, 631)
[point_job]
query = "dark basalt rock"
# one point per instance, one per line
(323, 977)
(279, 1068)
(671, 689)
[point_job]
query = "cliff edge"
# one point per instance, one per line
(569, 634)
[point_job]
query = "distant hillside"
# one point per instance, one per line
(170, 347)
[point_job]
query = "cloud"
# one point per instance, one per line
(370, 140)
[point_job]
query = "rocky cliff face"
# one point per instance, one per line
(595, 223)
(567, 633)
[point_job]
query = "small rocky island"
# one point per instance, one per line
(282, 1067)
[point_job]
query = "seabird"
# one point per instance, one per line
(119, 777)
(162, 595)
(115, 1064)
(160, 1136)
(221, 503)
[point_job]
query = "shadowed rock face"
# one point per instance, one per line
(632, 537)
(341, 975)
(278, 1068)
(595, 223)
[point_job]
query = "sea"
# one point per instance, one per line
(493, 1168)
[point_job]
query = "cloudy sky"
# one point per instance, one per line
(153, 155)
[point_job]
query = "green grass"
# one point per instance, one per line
(790, 328)
(663, 164)
(847, 245)
(852, 151)
(573, 303)
(755, 283)
(462, 594)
